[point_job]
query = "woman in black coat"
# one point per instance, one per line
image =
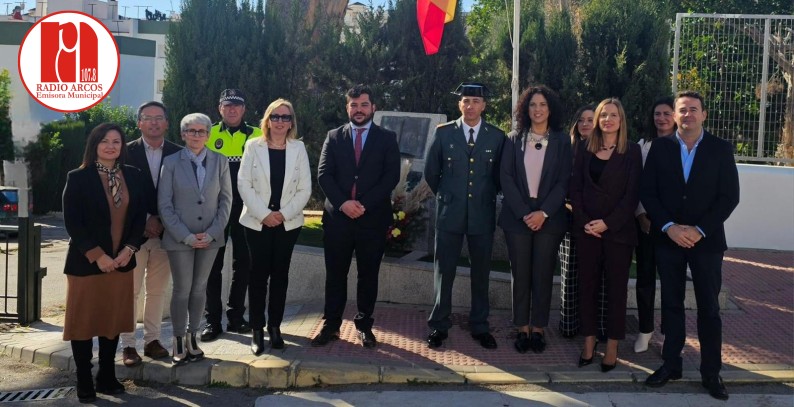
(604, 194)
(535, 169)
(104, 214)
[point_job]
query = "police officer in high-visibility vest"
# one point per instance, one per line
(228, 137)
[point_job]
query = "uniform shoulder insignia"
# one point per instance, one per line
(445, 124)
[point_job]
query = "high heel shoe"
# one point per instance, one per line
(641, 343)
(276, 341)
(258, 341)
(584, 362)
(605, 367)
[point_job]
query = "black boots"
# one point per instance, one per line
(258, 341)
(276, 341)
(106, 382)
(82, 352)
(194, 353)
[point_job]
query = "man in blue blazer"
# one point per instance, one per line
(359, 167)
(690, 186)
(462, 169)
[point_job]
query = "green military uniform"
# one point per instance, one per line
(465, 180)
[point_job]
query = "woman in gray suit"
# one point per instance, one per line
(194, 199)
(535, 169)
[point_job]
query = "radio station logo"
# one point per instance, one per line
(68, 61)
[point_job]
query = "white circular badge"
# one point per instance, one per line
(68, 61)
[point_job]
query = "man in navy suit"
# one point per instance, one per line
(690, 186)
(359, 167)
(147, 153)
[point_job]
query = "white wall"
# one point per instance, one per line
(764, 218)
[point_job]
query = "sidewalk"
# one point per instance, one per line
(758, 344)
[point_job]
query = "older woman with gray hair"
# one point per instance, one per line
(194, 198)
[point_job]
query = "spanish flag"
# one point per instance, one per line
(432, 15)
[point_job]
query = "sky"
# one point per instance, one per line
(165, 5)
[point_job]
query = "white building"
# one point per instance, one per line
(141, 72)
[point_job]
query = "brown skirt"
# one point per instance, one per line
(98, 305)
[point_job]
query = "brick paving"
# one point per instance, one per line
(759, 331)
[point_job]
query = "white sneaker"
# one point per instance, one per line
(641, 344)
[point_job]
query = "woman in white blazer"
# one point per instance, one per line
(275, 184)
(194, 198)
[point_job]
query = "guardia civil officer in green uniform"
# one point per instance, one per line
(228, 137)
(462, 169)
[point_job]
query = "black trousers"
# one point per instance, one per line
(707, 281)
(646, 281)
(340, 241)
(532, 260)
(271, 254)
(599, 260)
(445, 264)
(241, 266)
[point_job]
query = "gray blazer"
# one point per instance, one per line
(184, 210)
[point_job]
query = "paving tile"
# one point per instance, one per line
(231, 373)
(273, 373)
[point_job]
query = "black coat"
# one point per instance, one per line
(375, 176)
(706, 200)
(552, 190)
(613, 198)
(86, 215)
(136, 157)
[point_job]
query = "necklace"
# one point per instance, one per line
(605, 148)
(277, 146)
(541, 141)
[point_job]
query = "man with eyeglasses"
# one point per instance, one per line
(228, 137)
(147, 153)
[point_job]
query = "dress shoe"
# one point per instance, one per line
(605, 367)
(155, 350)
(584, 362)
(436, 338)
(716, 388)
(486, 340)
(367, 338)
(194, 353)
(130, 357)
(522, 342)
(258, 341)
(660, 377)
(537, 342)
(276, 341)
(240, 327)
(325, 336)
(211, 332)
(641, 343)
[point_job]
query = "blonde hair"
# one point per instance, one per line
(596, 141)
(293, 130)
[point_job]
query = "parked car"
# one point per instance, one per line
(9, 207)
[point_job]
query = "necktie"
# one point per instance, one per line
(357, 148)
(471, 139)
(113, 182)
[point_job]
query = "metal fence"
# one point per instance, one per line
(744, 67)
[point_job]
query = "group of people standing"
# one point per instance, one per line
(161, 210)
(592, 200)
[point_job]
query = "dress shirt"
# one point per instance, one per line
(364, 135)
(476, 128)
(154, 157)
(687, 158)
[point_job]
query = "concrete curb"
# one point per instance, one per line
(277, 373)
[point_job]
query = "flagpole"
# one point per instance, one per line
(516, 36)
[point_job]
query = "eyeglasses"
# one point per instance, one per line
(146, 118)
(280, 117)
(194, 132)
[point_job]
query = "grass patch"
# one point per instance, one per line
(312, 232)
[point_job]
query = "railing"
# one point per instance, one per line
(28, 277)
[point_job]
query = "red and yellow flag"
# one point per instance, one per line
(432, 15)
